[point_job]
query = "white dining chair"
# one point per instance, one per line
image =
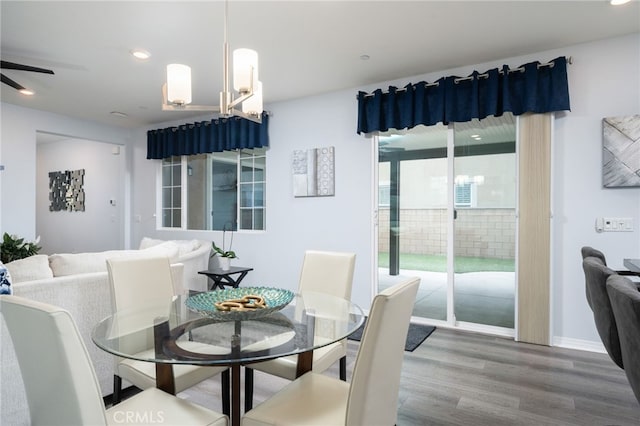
(61, 384)
(372, 396)
(146, 281)
(322, 272)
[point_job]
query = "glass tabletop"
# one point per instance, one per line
(632, 264)
(172, 333)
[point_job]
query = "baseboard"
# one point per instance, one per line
(578, 344)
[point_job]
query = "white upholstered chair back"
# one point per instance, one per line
(136, 283)
(59, 379)
(61, 385)
(147, 285)
(322, 272)
(373, 396)
(327, 272)
(139, 281)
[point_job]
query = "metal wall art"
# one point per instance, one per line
(66, 192)
(621, 151)
(313, 172)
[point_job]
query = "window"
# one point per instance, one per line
(171, 192)
(384, 194)
(252, 189)
(222, 191)
(463, 195)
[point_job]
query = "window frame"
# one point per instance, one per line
(241, 154)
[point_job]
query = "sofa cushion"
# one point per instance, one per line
(167, 248)
(64, 264)
(147, 242)
(30, 268)
(184, 246)
(83, 263)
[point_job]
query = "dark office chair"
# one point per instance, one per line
(625, 301)
(591, 252)
(596, 274)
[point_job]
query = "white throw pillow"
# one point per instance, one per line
(30, 268)
(165, 249)
(147, 242)
(184, 246)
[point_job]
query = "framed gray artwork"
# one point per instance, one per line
(621, 151)
(66, 191)
(313, 172)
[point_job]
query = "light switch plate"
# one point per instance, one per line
(614, 224)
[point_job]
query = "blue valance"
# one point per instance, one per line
(217, 135)
(532, 87)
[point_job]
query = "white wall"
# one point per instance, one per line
(603, 82)
(65, 231)
(18, 155)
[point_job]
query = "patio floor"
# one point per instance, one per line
(480, 297)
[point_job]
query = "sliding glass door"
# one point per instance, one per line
(485, 221)
(447, 214)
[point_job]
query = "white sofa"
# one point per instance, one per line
(193, 254)
(79, 283)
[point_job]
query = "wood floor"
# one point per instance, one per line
(459, 378)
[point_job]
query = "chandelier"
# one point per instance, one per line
(176, 92)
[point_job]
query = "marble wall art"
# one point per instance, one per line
(314, 172)
(621, 151)
(66, 191)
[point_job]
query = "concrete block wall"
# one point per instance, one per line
(488, 233)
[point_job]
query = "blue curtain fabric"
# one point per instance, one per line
(217, 135)
(532, 87)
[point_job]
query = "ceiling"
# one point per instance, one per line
(305, 47)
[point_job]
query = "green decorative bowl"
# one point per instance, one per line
(204, 303)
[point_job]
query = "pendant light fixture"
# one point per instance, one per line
(176, 92)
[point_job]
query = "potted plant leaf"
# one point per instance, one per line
(13, 248)
(225, 256)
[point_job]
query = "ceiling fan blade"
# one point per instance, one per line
(20, 67)
(7, 80)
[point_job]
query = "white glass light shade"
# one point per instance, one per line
(253, 105)
(179, 84)
(245, 69)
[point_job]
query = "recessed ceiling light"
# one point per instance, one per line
(364, 57)
(118, 114)
(27, 92)
(618, 2)
(141, 54)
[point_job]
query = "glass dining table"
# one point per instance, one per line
(182, 332)
(632, 264)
